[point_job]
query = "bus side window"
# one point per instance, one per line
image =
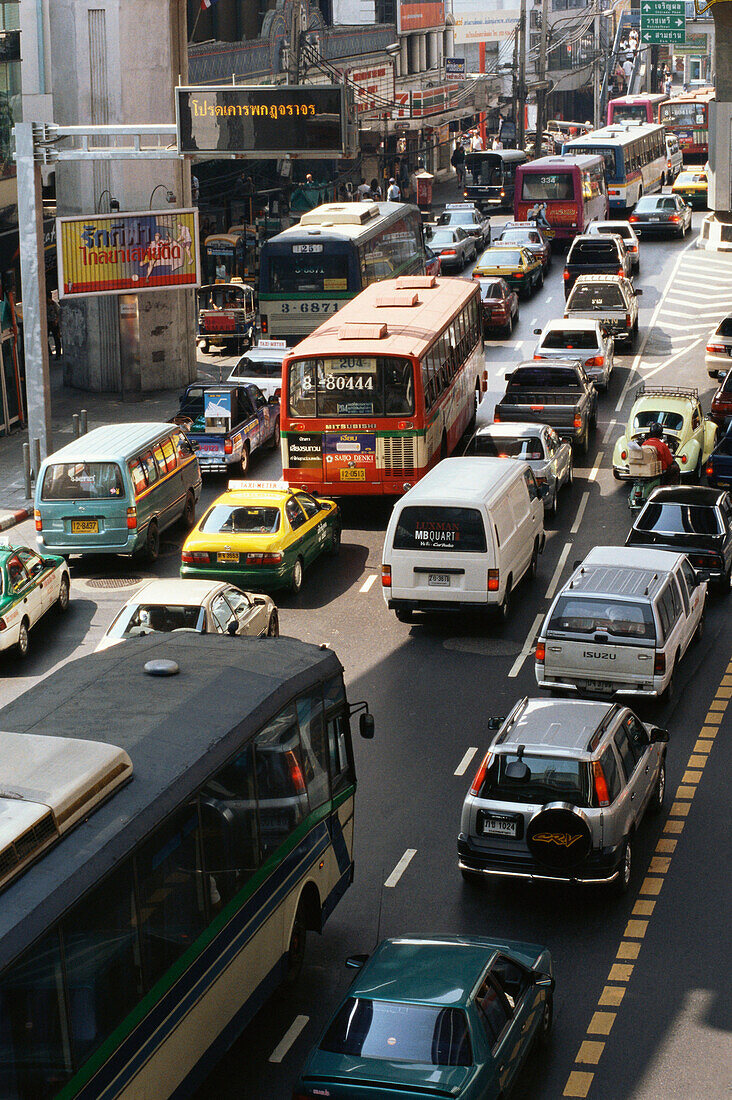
(337, 728)
(281, 793)
(148, 464)
(314, 748)
(230, 833)
(426, 379)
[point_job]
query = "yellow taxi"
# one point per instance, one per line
(523, 271)
(261, 535)
(692, 187)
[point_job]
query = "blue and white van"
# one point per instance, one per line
(115, 490)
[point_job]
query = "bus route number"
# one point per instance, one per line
(311, 307)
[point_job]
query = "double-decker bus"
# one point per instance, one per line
(377, 395)
(635, 108)
(635, 159)
(307, 272)
(167, 843)
(569, 192)
(687, 116)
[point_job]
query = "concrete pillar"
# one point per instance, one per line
(413, 41)
(434, 57)
(716, 231)
(449, 42)
(403, 56)
(422, 47)
(118, 61)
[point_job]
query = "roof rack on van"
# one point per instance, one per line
(647, 588)
(599, 732)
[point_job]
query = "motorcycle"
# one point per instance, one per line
(645, 469)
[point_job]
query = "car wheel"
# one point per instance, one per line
(504, 607)
(534, 563)
(62, 603)
(540, 280)
(552, 511)
(516, 316)
(297, 577)
(699, 632)
(334, 548)
(507, 329)
(570, 474)
(22, 646)
(296, 949)
(699, 471)
(244, 460)
(273, 626)
(188, 519)
(547, 1019)
(403, 615)
(622, 882)
(275, 440)
(203, 345)
(152, 542)
(659, 791)
(669, 692)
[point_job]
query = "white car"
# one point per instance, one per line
(206, 607)
(262, 366)
(621, 229)
(30, 585)
(674, 159)
(584, 340)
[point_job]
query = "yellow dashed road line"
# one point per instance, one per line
(590, 1052)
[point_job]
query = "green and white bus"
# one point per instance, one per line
(177, 814)
(307, 272)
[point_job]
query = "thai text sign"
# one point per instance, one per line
(266, 120)
(422, 16)
(663, 21)
(119, 253)
(476, 21)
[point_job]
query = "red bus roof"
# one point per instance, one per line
(392, 317)
(565, 161)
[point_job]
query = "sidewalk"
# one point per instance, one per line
(101, 409)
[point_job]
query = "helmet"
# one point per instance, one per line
(392, 180)
(655, 431)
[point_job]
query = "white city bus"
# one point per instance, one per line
(167, 842)
(635, 159)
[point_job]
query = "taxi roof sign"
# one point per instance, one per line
(460, 206)
(271, 344)
(519, 225)
(262, 486)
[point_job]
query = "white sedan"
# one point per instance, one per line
(206, 607)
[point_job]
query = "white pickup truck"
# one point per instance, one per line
(621, 624)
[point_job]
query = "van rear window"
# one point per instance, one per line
(449, 529)
(547, 778)
(600, 614)
(82, 481)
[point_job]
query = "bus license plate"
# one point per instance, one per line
(227, 555)
(356, 474)
(499, 826)
(439, 580)
(84, 527)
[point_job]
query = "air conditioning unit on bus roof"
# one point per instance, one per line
(341, 213)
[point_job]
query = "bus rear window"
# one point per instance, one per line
(295, 274)
(351, 386)
(548, 186)
(449, 529)
(83, 481)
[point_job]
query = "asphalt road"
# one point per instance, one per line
(640, 1010)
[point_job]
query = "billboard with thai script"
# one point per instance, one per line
(123, 253)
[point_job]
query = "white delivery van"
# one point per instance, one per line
(463, 537)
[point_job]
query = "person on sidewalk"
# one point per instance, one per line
(393, 194)
(457, 160)
(53, 316)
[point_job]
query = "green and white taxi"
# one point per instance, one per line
(29, 586)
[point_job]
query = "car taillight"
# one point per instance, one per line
(628, 321)
(496, 418)
(684, 460)
(264, 324)
(633, 218)
(264, 559)
(675, 218)
(296, 776)
(709, 470)
(228, 447)
(540, 654)
(37, 518)
(518, 274)
(716, 347)
(620, 272)
(448, 252)
(493, 580)
(503, 194)
(632, 247)
(131, 519)
(195, 557)
(623, 455)
(601, 792)
(565, 276)
(659, 664)
(477, 783)
(386, 576)
(3, 624)
(578, 421)
(595, 361)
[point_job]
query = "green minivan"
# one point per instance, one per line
(115, 489)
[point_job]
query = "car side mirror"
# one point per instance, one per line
(658, 735)
(356, 962)
(273, 400)
(537, 332)
(495, 723)
(366, 726)
(543, 981)
(639, 293)
(232, 628)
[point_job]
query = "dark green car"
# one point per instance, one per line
(445, 1016)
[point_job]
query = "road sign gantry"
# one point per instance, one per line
(662, 21)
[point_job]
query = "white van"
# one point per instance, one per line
(463, 537)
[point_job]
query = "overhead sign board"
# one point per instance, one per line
(696, 45)
(476, 21)
(263, 121)
(455, 68)
(422, 16)
(662, 21)
(123, 253)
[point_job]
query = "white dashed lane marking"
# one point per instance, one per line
(401, 867)
(465, 762)
(368, 583)
(580, 513)
(528, 648)
(554, 582)
(288, 1038)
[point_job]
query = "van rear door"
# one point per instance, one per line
(600, 643)
(84, 504)
(441, 554)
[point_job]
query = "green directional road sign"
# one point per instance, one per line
(662, 21)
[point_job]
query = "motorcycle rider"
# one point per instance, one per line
(670, 472)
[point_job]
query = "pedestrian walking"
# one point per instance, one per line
(53, 320)
(376, 191)
(457, 160)
(363, 190)
(393, 193)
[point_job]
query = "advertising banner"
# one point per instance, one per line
(424, 16)
(123, 253)
(455, 68)
(477, 22)
(374, 86)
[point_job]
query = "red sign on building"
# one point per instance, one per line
(424, 16)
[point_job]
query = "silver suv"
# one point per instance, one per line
(560, 792)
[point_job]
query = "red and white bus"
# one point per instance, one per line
(635, 108)
(382, 391)
(687, 116)
(569, 191)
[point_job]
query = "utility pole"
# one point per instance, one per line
(293, 69)
(520, 129)
(541, 91)
(514, 80)
(596, 81)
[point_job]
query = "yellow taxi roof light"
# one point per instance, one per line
(265, 486)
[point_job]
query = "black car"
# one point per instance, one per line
(592, 255)
(694, 520)
(661, 215)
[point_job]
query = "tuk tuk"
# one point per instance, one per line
(226, 316)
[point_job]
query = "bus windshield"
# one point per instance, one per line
(626, 112)
(548, 186)
(351, 386)
(314, 271)
(688, 113)
(484, 168)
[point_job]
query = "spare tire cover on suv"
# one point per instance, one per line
(559, 836)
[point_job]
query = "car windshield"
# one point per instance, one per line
(570, 339)
(544, 378)
(520, 236)
(157, 618)
(549, 779)
(256, 368)
(442, 237)
(669, 421)
(648, 204)
(599, 296)
(490, 290)
(500, 257)
(426, 1034)
(422, 527)
(528, 447)
(589, 615)
(83, 481)
(457, 217)
(225, 519)
(682, 519)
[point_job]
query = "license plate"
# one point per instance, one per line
(227, 555)
(499, 826)
(356, 474)
(84, 527)
(652, 219)
(598, 685)
(439, 580)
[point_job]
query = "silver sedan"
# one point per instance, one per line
(454, 246)
(566, 338)
(719, 349)
(538, 446)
